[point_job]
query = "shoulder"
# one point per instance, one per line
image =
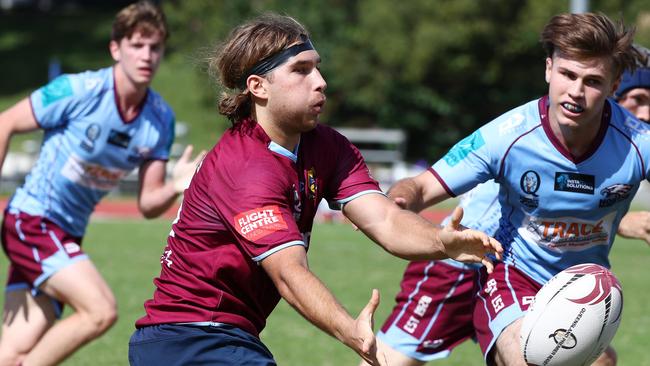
(628, 125)
(159, 106)
(73, 88)
(515, 121)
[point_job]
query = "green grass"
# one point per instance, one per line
(127, 253)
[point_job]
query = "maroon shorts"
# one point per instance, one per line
(433, 311)
(503, 298)
(37, 248)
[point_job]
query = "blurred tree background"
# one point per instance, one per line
(437, 69)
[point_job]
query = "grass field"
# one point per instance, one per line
(127, 253)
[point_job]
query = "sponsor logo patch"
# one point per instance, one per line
(574, 182)
(118, 138)
(91, 175)
(260, 222)
(634, 125)
(567, 233)
(614, 193)
(57, 89)
(463, 148)
(512, 124)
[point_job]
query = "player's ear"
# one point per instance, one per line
(114, 47)
(549, 68)
(257, 86)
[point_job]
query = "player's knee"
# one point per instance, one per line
(12, 354)
(101, 317)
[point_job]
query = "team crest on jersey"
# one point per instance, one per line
(529, 184)
(614, 193)
(92, 133)
(574, 182)
(463, 148)
(311, 183)
(260, 222)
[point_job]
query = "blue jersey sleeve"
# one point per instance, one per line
(57, 102)
(467, 164)
(478, 157)
(166, 126)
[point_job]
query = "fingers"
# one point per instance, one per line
(367, 315)
(187, 153)
(488, 264)
(456, 217)
(400, 201)
(372, 305)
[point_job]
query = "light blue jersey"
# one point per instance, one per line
(88, 147)
(556, 210)
(481, 211)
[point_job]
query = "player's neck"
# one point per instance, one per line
(128, 95)
(278, 133)
(577, 140)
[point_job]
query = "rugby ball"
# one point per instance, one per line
(573, 317)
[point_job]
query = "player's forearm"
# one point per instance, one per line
(153, 203)
(408, 236)
(410, 193)
(309, 296)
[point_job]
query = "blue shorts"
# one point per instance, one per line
(184, 344)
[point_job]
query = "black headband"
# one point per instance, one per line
(268, 64)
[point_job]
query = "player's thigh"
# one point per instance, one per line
(25, 319)
(81, 286)
(433, 311)
(507, 351)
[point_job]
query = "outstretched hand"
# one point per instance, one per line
(364, 338)
(468, 245)
(184, 169)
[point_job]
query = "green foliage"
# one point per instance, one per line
(438, 69)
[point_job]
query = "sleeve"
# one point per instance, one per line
(256, 209)
(472, 161)
(168, 131)
(55, 103)
(351, 178)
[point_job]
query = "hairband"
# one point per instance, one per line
(269, 63)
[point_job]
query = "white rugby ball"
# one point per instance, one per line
(573, 317)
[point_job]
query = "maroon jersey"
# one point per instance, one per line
(249, 199)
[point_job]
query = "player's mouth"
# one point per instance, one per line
(318, 107)
(572, 108)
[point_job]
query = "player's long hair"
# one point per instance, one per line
(590, 35)
(142, 16)
(248, 44)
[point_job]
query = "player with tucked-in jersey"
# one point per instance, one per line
(567, 166)
(98, 127)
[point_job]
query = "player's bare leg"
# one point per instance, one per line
(80, 286)
(393, 357)
(24, 320)
(506, 349)
(607, 358)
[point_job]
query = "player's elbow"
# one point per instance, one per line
(149, 211)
